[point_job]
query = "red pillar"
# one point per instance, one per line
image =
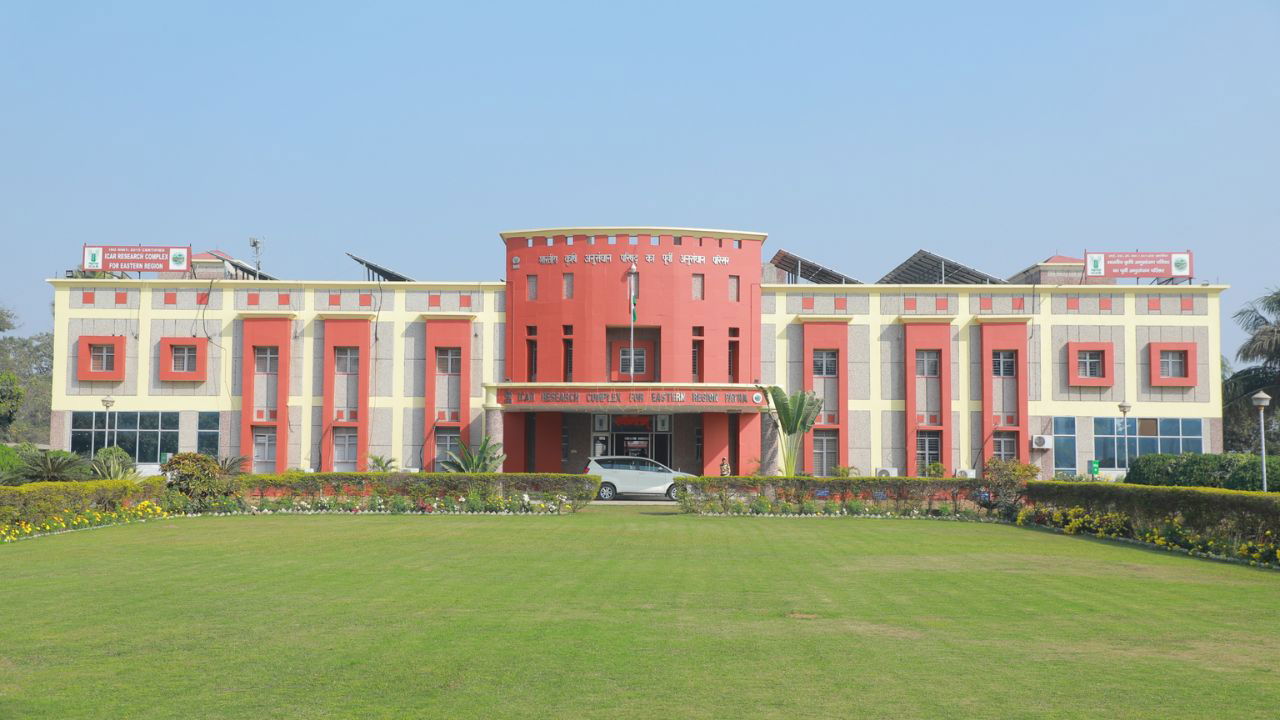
(715, 441)
(345, 332)
(513, 441)
(748, 443)
(546, 433)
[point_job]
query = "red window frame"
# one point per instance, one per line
(166, 371)
(84, 371)
(1108, 378)
(1153, 362)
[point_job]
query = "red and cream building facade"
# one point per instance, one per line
(936, 362)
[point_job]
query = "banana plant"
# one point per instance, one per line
(487, 457)
(794, 415)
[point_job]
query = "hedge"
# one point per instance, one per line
(714, 494)
(35, 502)
(578, 489)
(1233, 471)
(1239, 515)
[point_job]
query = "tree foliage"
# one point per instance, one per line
(486, 458)
(794, 415)
(1261, 320)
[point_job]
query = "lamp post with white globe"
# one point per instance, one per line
(1261, 400)
(1124, 408)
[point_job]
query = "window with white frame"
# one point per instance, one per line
(448, 441)
(266, 360)
(346, 360)
(183, 358)
(1004, 446)
(632, 361)
(448, 361)
(345, 449)
(1173, 363)
(1089, 363)
(928, 449)
(102, 358)
(928, 363)
(826, 452)
(825, 363)
(1003, 363)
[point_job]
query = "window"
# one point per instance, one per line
(699, 286)
(1173, 363)
(1114, 442)
(266, 360)
(148, 437)
(345, 449)
(346, 360)
(1004, 446)
(928, 449)
(826, 452)
(1003, 363)
(448, 440)
(531, 360)
(1089, 363)
(264, 450)
(568, 360)
(531, 287)
(568, 286)
(1064, 445)
(824, 363)
(733, 361)
(207, 434)
(448, 361)
(102, 358)
(734, 283)
(697, 361)
(632, 364)
(928, 363)
(184, 358)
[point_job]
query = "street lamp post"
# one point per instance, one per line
(1261, 400)
(107, 402)
(1124, 420)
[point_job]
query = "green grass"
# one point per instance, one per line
(625, 612)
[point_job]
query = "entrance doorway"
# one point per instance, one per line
(647, 436)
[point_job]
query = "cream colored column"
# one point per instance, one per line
(876, 404)
(398, 401)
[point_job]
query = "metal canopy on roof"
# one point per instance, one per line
(807, 269)
(926, 268)
(373, 270)
(244, 268)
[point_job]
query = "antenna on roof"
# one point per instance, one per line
(256, 244)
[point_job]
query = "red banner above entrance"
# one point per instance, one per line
(647, 397)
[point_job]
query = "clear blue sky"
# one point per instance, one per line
(994, 133)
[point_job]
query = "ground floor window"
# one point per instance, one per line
(207, 434)
(1064, 446)
(928, 449)
(1115, 441)
(345, 449)
(1004, 445)
(448, 440)
(264, 450)
(826, 452)
(148, 437)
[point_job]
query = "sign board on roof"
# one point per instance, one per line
(137, 258)
(1137, 264)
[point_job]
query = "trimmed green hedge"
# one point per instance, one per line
(35, 502)
(1233, 471)
(579, 489)
(723, 494)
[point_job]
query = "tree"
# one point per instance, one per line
(8, 320)
(1261, 320)
(794, 415)
(487, 457)
(11, 396)
(30, 359)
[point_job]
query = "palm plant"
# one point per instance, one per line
(1261, 319)
(382, 463)
(49, 466)
(230, 465)
(487, 457)
(794, 415)
(112, 467)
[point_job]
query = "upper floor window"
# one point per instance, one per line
(1002, 363)
(531, 287)
(824, 363)
(448, 361)
(184, 358)
(346, 360)
(632, 361)
(699, 286)
(102, 358)
(1089, 364)
(1173, 363)
(734, 284)
(928, 363)
(568, 286)
(266, 360)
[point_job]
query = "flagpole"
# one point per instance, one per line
(632, 281)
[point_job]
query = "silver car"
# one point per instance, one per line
(627, 475)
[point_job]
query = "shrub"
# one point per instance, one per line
(48, 466)
(34, 503)
(707, 492)
(200, 478)
(1232, 471)
(114, 454)
(9, 460)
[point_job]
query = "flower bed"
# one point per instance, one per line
(861, 496)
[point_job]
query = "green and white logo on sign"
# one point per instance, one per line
(1094, 264)
(1180, 264)
(93, 258)
(177, 258)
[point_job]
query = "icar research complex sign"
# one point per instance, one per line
(137, 258)
(621, 396)
(1137, 264)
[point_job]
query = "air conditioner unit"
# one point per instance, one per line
(966, 473)
(887, 472)
(1041, 442)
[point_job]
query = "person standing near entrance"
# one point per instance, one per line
(725, 470)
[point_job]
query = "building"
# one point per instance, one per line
(935, 362)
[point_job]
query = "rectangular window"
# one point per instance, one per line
(207, 433)
(102, 358)
(824, 363)
(733, 361)
(734, 284)
(1113, 446)
(633, 364)
(531, 287)
(1003, 363)
(699, 286)
(928, 363)
(531, 360)
(448, 361)
(568, 360)
(448, 440)
(346, 360)
(184, 358)
(568, 286)
(1089, 363)
(266, 360)
(928, 449)
(826, 452)
(697, 361)
(345, 449)
(264, 451)
(1064, 455)
(1004, 446)
(1173, 363)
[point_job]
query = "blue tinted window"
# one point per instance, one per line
(1170, 427)
(1104, 451)
(1148, 445)
(1064, 426)
(1191, 426)
(1192, 445)
(1064, 454)
(1105, 426)
(1170, 446)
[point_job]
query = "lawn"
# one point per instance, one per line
(625, 612)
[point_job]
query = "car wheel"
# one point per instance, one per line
(607, 492)
(671, 493)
